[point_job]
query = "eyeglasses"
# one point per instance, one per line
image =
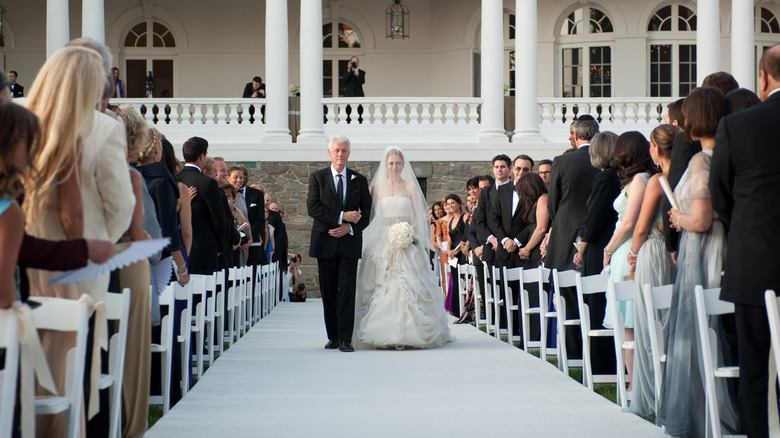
(545, 172)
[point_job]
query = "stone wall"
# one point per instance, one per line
(287, 182)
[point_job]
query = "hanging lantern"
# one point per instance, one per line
(397, 23)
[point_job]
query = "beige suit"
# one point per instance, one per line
(107, 202)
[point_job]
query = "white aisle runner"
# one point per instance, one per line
(278, 381)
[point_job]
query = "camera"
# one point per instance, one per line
(354, 64)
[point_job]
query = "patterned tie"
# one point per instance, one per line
(340, 191)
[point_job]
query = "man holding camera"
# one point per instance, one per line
(254, 89)
(354, 79)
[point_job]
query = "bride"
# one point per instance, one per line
(398, 303)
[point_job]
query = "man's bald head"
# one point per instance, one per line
(769, 71)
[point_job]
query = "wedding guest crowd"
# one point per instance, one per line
(78, 183)
(600, 208)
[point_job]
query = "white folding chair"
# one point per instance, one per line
(248, 300)
(657, 298)
(620, 292)
(66, 316)
(257, 283)
(588, 285)
(184, 293)
(274, 285)
(497, 301)
(210, 317)
(117, 309)
(231, 305)
(479, 321)
(708, 304)
(511, 275)
(463, 285)
(197, 286)
(538, 276)
(219, 312)
(265, 275)
(773, 314)
(560, 280)
(9, 340)
(165, 350)
(490, 324)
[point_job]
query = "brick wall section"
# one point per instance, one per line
(288, 182)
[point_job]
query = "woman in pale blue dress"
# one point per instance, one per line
(699, 262)
(632, 153)
(650, 264)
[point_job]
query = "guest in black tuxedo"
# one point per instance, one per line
(474, 187)
(254, 89)
(340, 204)
(745, 187)
(16, 89)
(209, 222)
(597, 229)
(254, 199)
(353, 79)
(570, 187)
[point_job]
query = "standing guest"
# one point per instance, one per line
(237, 180)
(545, 169)
(255, 201)
(597, 229)
(83, 189)
(353, 79)
(740, 99)
(442, 237)
(684, 149)
(521, 165)
(186, 194)
(699, 262)
(254, 89)
(220, 167)
(456, 227)
(651, 264)
(744, 184)
(119, 90)
(209, 222)
(16, 89)
(634, 166)
(437, 213)
(238, 218)
(210, 168)
(336, 238)
(270, 241)
(533, 193)
(570, 186)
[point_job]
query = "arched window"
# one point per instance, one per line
(336, 57)
(767, 28)
(671, 31)
(149, 46)
(585, 44)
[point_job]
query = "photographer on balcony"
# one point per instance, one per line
(354, 79)
(254, 89)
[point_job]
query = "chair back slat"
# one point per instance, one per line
(593, 284)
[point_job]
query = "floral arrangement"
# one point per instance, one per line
(294, 89)
(401, 235)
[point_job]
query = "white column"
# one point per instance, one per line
(276, 70)
(743, 43)
(312, 130)
(57, 25)
(93, 20)
(492, 70)
(526, 80)
(707, 39)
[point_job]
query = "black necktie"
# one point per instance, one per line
(340, 190)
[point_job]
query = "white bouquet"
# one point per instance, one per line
(401, 235)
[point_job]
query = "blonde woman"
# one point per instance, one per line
(83, 189)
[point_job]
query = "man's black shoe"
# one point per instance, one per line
(331, 345)
(346, 347)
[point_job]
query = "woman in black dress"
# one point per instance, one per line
(597, 229)
(455, 228)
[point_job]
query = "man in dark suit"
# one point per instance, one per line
(16, 89)
(745, 188)
(340, 204)
(209, 223)
(570, 185)
(353, 79)
(255, 207)
(254, 89)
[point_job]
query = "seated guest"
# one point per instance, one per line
(299, 296)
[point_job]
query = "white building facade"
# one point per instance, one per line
(474, 78)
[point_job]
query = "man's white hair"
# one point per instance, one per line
(339, 139)
(97, 46)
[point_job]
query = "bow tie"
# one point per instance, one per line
(242, 191)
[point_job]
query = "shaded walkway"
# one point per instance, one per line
(278, 381)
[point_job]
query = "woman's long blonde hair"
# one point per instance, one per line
(64, 96)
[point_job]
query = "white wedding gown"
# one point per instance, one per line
(398, 302)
